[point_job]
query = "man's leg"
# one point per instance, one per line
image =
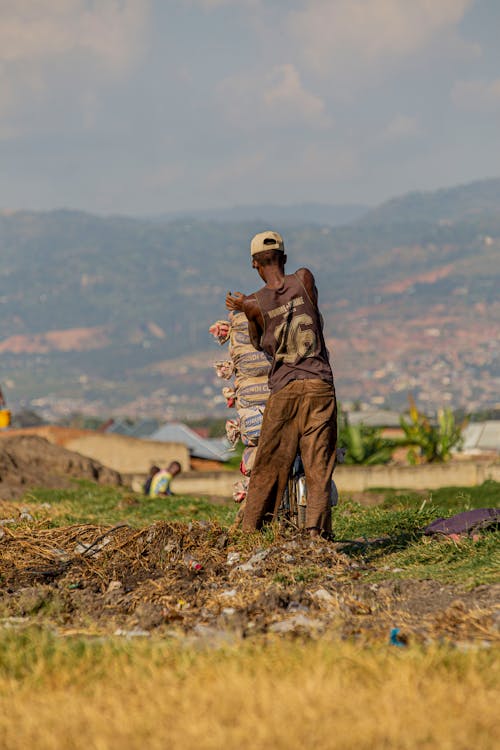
(276, 453)
(318, 420)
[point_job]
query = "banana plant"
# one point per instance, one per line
(431, 443)
(363, 444)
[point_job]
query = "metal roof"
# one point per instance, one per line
(482, 436)
(141, 429)
(215, 449)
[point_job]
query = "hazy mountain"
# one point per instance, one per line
(444, 205)
(270, 215)
(115, 311)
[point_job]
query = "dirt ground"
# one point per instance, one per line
(31, 461)
(195, 581)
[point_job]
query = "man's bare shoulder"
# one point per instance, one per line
(305, 274)
(307, 279)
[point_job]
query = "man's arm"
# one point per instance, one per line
(307, 279)
(255, 323)
(250, 307)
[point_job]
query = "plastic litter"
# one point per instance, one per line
(397, 638)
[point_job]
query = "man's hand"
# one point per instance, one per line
(235, 301)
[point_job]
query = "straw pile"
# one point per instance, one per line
(195, 579)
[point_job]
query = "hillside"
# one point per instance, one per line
(112, 313)
(445, 205)
(295, 215)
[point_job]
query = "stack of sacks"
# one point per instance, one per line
(251, 369)
(248, 394)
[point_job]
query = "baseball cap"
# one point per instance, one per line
(266, 241)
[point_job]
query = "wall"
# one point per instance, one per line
(428, 477)
(129, 455)
(358, 479)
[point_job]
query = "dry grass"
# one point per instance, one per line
(75, 695)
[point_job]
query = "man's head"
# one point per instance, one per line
(267, 249)
(174, 468)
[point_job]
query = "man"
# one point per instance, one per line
(300, 416)
(161, 479)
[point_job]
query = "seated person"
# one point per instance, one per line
(160, 482)
(147, 484)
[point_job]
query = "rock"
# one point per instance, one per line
(211, 635)
(324, 599)
(297, 624)
(254, 561)
(233, 558)
(229, 593)
(258, 557)
(114, 586)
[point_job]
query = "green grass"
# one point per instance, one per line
(87, 502)
(386, 539)
(453, 499)
(398, 522)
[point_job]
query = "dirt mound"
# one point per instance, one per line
(29, 461)
(197, 580)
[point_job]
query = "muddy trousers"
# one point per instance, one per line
(301, 417)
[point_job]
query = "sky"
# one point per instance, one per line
(145, 107)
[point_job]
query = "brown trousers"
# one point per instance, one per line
(301, 417)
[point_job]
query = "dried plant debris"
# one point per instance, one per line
(197, 580)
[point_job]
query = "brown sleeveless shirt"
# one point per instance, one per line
(293, 334)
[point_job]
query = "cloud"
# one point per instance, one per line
(234, 172)
(212, 4)
(268, 173)
(271, 99)
(34, 31)
(364, 33)
(164, 176)
(58, 53)
(401, 127)
(318, 167)
(476, 96)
